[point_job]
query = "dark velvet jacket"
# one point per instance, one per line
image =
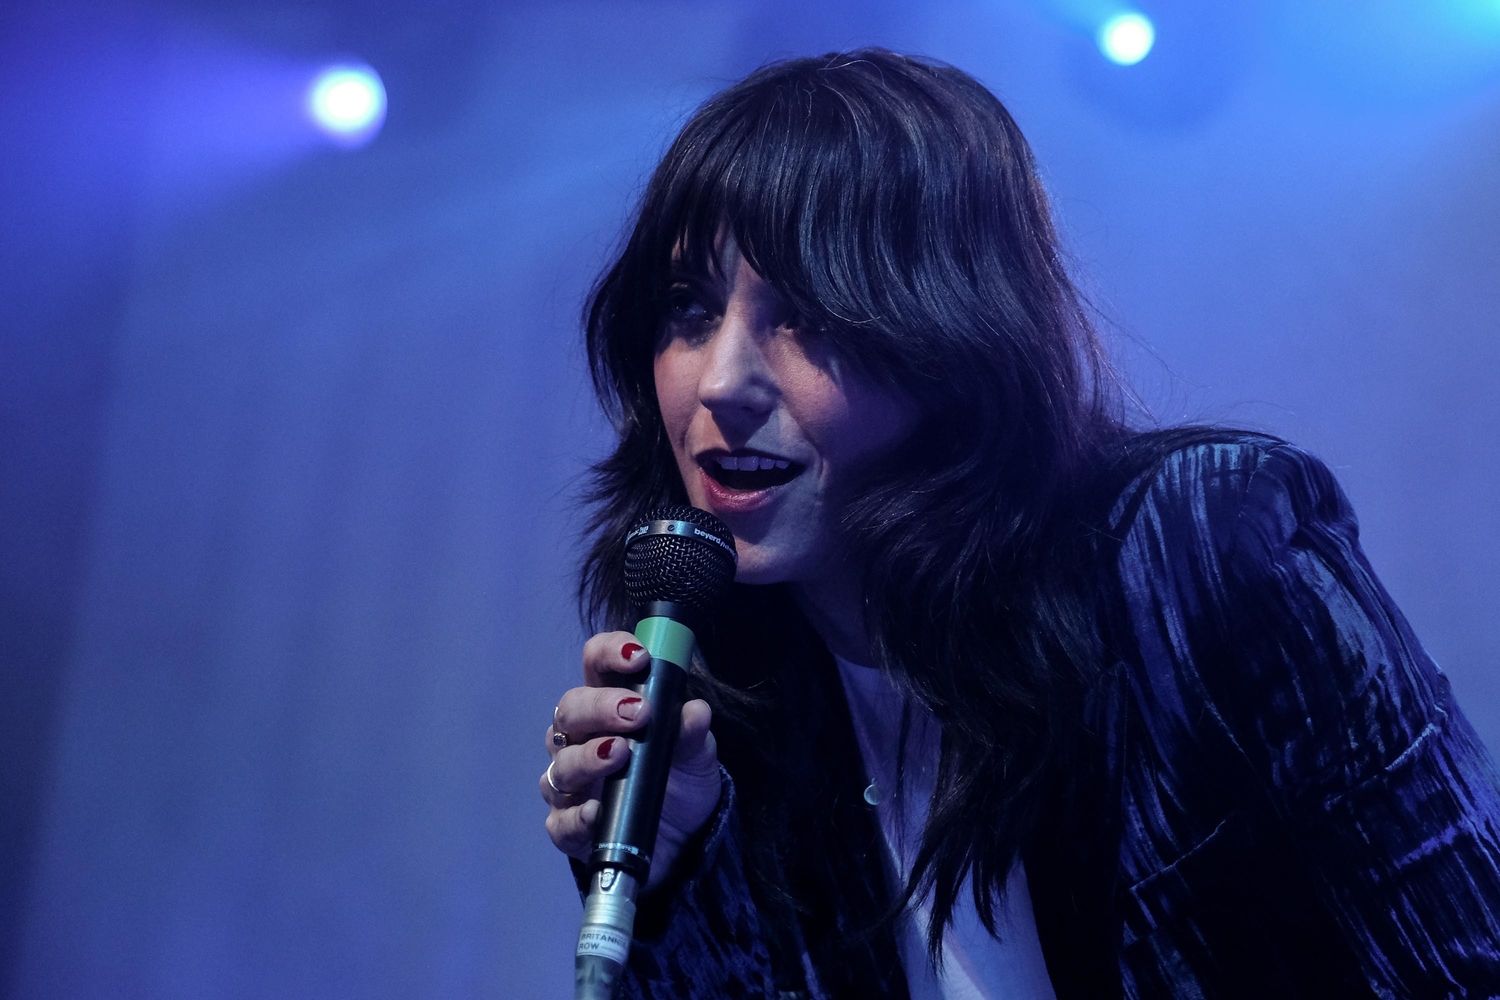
(1282, 799)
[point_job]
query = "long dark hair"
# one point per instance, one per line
(896, 205)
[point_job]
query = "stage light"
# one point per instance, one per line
(348, 103)
(1125, 39)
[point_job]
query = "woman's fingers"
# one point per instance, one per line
(610, 654)
(578, 773)
(571, 786)
(598, 709)
(571, 829)
(586, 712)
(587, 742)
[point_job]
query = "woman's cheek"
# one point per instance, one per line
(676, 398)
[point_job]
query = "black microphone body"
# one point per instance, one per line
(679, 563)
(631, 806)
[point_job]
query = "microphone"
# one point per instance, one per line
(679, 563)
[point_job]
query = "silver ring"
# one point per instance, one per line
(559, 740)
(559, 791)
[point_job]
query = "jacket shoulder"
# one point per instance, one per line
(1226, 494)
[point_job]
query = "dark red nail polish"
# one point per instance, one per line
(606, 747)
(630, 649)
(629, 708)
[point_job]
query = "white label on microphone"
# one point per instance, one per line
(604, 941)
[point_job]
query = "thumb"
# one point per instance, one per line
(696, 751)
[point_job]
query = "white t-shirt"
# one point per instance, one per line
(975, 965)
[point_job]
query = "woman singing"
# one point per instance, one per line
(1011, 699)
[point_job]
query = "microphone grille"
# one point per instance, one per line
(665, 561)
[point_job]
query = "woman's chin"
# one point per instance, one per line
(757, 576)
(761, 564)
(758, 567)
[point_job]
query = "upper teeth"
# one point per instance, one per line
(749, 463)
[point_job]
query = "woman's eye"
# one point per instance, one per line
(684, 305)
(684, 313)
(807, 329)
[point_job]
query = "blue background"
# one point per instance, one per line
(289, 433)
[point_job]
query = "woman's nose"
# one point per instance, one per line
(737, 384)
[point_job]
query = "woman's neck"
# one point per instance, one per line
(834, 606)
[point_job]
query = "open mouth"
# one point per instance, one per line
(750, 471)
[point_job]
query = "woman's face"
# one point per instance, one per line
(772, 431)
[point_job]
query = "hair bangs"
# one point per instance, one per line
(782, 171)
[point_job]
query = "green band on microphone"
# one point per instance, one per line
(667, 640)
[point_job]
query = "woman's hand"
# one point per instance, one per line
(592, 718)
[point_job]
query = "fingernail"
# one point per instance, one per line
(606, 747)
(629, 708)
(630, 649)
(590, 811)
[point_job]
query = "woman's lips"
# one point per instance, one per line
(722, 498)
